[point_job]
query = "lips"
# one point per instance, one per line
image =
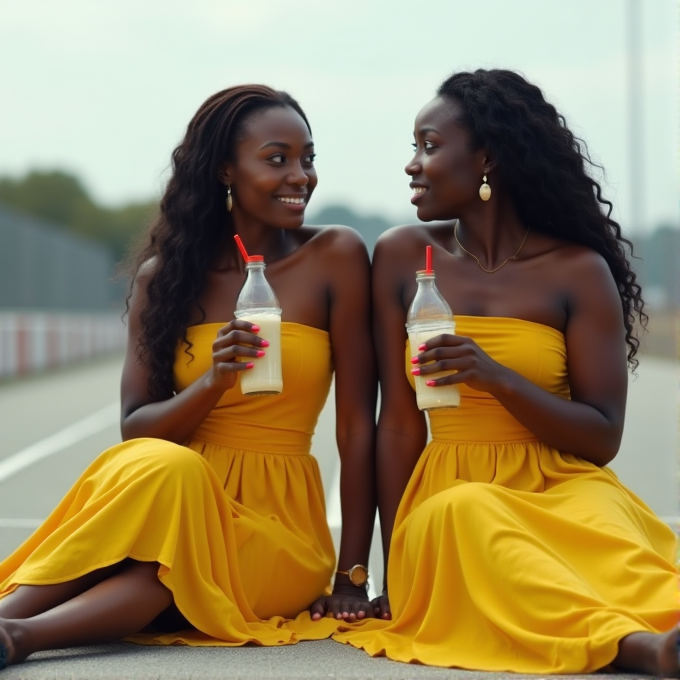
(292, 200)
(295, 203)
(418, 191)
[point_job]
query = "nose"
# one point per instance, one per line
(298, 176)
(413, 167)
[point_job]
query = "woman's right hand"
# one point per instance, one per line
(238, 339)
(381, 606)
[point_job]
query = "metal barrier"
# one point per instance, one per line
(45, 268)
(34, 341)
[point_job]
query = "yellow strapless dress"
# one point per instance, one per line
(508, 555)
(236, 517)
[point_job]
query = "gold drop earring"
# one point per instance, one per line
(230, 203)
(484, 190)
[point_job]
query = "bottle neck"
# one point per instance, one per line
(428, 306)
(425, 279)
(255, 267)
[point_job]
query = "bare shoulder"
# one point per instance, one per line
(140, 283)
(412, 238)
(337, 241)
(146, 271)
(578, 264)
(581, 272)
(404, 236)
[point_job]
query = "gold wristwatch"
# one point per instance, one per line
(358, 574)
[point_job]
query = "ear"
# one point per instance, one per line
(223, 173)
(488, 164)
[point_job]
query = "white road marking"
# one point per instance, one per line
(91, 425)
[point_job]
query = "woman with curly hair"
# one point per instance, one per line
(207, 525)
(512, 547)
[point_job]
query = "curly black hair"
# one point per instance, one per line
(544, 166)
(191, 224)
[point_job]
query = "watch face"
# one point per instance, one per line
(358, 575)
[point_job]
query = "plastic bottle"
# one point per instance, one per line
(429, 316)
(258, 304)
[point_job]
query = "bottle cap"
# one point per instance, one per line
(247, 258)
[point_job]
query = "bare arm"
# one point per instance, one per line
(355, 398)
(590, 425)
(349, 294)
(177, 417)
(402, 430)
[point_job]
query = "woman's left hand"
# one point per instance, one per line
(342, 604)
(458, 353)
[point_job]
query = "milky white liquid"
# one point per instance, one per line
(431, 398)
(265, 376)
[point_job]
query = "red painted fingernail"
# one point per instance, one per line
(430, 383)
(414, 360)
(264, 343)
(415, 371)
(260, 353)
(250, 364)
(255, 328)
(422, 347)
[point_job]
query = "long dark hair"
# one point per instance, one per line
(191, 224)
(543, 165)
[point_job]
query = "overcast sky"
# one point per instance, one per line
(105, 88)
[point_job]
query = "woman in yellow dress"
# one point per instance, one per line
(512, 547)
(207, 525)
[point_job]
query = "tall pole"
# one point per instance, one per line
(635, 78)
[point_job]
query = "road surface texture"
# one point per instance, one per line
(53, 425)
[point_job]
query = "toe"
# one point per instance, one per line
(6, 648)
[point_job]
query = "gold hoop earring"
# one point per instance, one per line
(484, 190)
(230, 203)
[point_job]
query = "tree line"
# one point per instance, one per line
(61, 199)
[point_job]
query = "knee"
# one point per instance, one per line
(170, 460)
(462, 501)
(183, 462)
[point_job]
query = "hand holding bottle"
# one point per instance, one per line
(429, 316)
(257, 303)
(233, 351)
(439, 356)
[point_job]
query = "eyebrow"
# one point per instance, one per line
(426, 130)
(283, 145)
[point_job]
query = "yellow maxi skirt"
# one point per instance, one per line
(235, 518)
(508, 555)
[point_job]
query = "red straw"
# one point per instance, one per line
(242, 248)
(428, 260)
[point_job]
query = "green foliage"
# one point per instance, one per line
(61, 199)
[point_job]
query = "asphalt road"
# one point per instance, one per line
(52, 426)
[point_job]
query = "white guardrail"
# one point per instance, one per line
(35, 341)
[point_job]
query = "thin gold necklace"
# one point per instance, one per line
(484, 269)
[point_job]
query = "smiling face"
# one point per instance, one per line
(272, 176)
(446, 172)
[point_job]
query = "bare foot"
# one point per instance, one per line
(668, 656)
(652, 653)
(6, 648)
(11, 635)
